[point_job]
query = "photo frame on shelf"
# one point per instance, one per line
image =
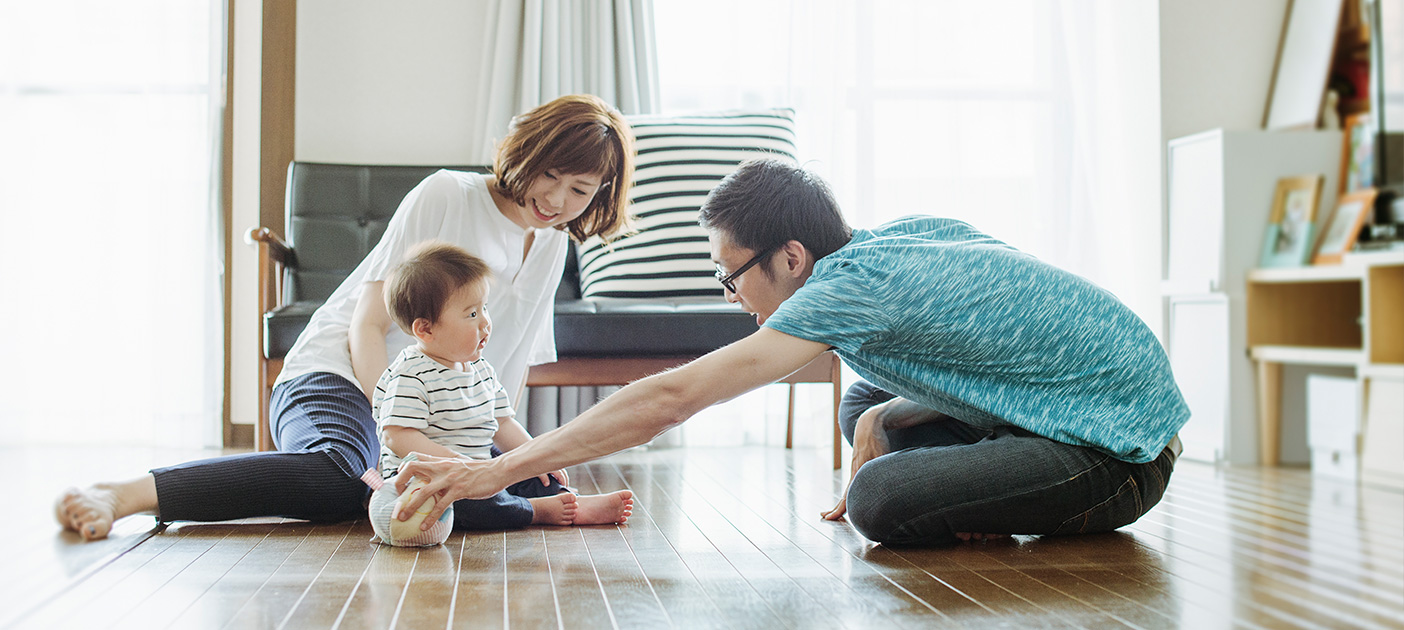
(1357, 154)
(1303, 65)
(1292, 222)
(1340, 231)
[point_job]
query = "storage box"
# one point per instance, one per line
(1333, 426)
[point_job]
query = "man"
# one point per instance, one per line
(1002, 395)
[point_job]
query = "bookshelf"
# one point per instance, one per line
(1342, 315)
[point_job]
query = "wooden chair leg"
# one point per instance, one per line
(835, 377)
(790, 419)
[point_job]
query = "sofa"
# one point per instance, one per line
(643, 304)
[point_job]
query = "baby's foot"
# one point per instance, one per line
(604, 509)
(554, 510)
(89, 512)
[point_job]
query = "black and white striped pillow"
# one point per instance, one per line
(680, 159)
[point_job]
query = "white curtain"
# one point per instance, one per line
(538, 50)
(109, 115)
(1036, 121)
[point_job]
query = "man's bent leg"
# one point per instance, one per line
(1013, 482)
(862, 396)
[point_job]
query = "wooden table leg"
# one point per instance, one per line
(1269, 412)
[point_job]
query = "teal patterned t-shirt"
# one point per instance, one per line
(934, 311)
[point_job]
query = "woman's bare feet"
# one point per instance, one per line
(605, 509)
(91, 511)
(554, 510)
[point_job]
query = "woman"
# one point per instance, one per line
(564, 167)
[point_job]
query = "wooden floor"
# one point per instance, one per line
(732, 539)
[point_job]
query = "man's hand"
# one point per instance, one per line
(560, 476)
(869, 443)
(450, 478)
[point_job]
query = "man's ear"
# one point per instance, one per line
(796, 257)
(422, 329)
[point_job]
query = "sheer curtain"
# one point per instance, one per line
(536, 51)
(108, 147)
(1035, 121)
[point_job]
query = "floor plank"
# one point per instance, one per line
(732, 538)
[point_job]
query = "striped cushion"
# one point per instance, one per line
(680, 159)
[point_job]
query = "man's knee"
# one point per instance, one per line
(884, 516)
(871, 510)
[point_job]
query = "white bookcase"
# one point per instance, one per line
(1220, 185)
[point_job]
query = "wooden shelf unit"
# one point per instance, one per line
(1349, 315)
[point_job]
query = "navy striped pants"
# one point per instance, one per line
(326, 437)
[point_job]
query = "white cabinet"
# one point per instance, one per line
(1220, 187)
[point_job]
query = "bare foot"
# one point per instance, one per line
(968, 536)
(89, 512)
(556, 510)
(605, 509)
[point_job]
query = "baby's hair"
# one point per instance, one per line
(422, 284)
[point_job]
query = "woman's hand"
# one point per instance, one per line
(869, 443)
(450, 478)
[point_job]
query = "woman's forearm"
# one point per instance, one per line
(370, 322)
(368, 360)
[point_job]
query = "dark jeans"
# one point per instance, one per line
(946, 477)
(326, 437)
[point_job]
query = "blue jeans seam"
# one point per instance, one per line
(1087, 515)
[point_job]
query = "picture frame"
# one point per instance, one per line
(1339, 232)
(1291, 229)
(1357, 154)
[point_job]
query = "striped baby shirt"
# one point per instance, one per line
(457, 410)
(935, 311)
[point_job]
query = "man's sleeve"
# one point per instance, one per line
(840, 309)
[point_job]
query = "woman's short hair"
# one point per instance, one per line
(578, 134)
(424, 282)
(767, 202)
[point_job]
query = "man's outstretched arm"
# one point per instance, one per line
(632, 416)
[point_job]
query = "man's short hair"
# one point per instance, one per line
(767, 202)
(423, 283)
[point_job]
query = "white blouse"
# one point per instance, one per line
(455, 207)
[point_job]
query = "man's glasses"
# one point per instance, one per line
(726, 280)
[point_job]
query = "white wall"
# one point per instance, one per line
(387, 82)
(1216, 63)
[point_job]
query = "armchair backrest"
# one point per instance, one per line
(335, 214)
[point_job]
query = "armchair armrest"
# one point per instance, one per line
(274, 255)
(278, 249)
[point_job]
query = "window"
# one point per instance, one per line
(1035, 121)
(108, 151)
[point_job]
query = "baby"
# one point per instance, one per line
(440, 397)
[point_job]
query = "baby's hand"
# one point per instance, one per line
(560, 476)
